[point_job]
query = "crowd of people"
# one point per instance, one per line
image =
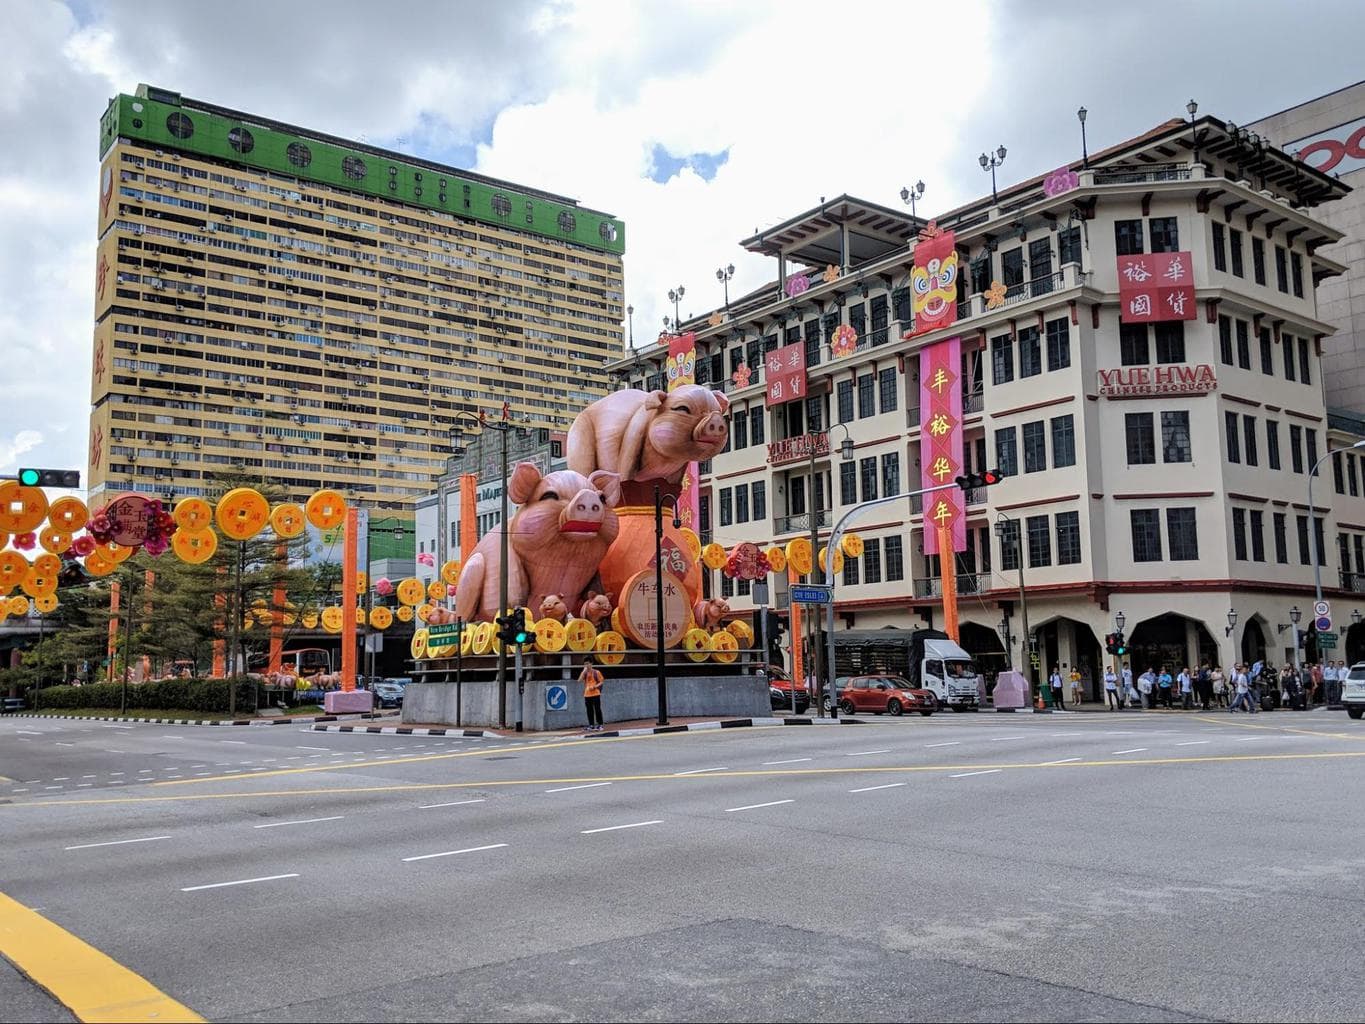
(1243, 688)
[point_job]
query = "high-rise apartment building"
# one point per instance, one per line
(322, 312)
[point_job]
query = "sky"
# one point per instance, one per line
(697, 123)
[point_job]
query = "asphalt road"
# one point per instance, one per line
(1136, 866)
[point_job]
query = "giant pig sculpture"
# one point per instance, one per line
(555, 542)
(649, 435)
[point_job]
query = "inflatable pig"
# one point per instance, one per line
(596, 608)
(649, 435)
(556, 541)
(710, 613)
(553, 607)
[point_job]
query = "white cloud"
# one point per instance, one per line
(13, 449)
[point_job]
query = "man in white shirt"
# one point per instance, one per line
(1055, 682)
(1111, 690)
(1186, 689)
(1242, 690)
(1329, 681)
(1129, 695)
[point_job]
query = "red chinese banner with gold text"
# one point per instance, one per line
(1156, 286)
(682, 369)
(786, 373)
(940, 441)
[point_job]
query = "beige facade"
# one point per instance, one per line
(1165, 507)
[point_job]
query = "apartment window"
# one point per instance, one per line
(848, 483)
(1281, 546)
(739, 429)
(1303, 362)
(1351, 476)
(1030, 353)
(1170, 342)
(1225, 339)
(1175, 436)
(1063, 441)
(1069, 246)
(1133, 345)
(1006, 452)
(756, 422)
(704, 515)
(1068, 538)
(1272, 444)
(1267, 353)
(1040, 265)
(742, 503)
(1165, 236)
(1312, 437)
(1338, 473)
(1239, 534)
(1257, 530)
(1296, 447)
(1128, 237)
(727, 506)
(742, 587)
(1296, 273)
(1318, 524)
(727, 586)
(819, 492)
(1344, 552)
(1234, 445)
(1058, 344)
(857, 319)
(1258, 260)
(1009, 545)
(812, 342)
(1141, 443)
(1002, 359)
(866, 399)
(1249, 440)
(815, 413)
(1181, 535)
(1282, 268)
(1243, 345)
(850, 572)
(895, 559)
(1012, 267)
(877, 308)
(1304, 555)
(891, 473)
(1039, 541)
(872, 561)
(1237, 269)
(1220, 254)
(754, 356)
(1035, 447)
(796, 495)
(867, 470)
(1146, 526)
(845, 391)
(886, 386)
(760, 488)
(901, 309)
(1358, 542)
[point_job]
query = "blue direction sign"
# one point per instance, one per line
(811, 593)
(556, 698)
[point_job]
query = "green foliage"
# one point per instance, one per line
(188, 694)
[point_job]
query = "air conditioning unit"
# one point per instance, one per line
(196, 444)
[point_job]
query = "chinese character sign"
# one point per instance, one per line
(1156, 286)
(933, 280)
(680, 370)
(940, 441)
(785, 369)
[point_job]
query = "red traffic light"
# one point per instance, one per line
(991, 476)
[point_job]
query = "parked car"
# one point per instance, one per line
(399, 680)
(780, 691)
(1353, 690)
(388, 695)
(882, 694)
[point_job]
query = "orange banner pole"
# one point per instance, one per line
(798, 659)
(277, 615)
(114, 590)
(149, 584)
(948, 570)
(469, 514)
(348, 586)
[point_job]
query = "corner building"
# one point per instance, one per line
(324, 313)
(1155, 469)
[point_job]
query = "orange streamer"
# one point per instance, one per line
(348, 585)
(948, 569)
(469, 514)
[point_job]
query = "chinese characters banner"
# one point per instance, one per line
(682, 369)
(786, 370)
(940, 441)
(1156, 286)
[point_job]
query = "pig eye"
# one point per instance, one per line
(602, 496)
(682, 409)
(549, 496)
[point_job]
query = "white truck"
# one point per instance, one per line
(1353, 690)
(928, 658)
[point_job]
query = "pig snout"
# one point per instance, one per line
(583, 514)
(711, 430)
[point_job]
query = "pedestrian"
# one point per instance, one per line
(1163, 685)
(1203, 686)
(1289, 683)
(592, 694)
(1329, 681)
(1315, 673)
(1220, 687)
(1128, 698)
(1055, 682)
(1186, 689)
(1076, 697)
(1254, 682)
(1146, 684)
(1111, 690)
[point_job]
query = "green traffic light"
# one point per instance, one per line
(28, 477)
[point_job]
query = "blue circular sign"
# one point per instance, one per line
(1323, 624)
(556, 698)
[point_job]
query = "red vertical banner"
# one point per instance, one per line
(469, 514)
(948, 577)
(114, 591)
(149, 585)
(1156, 286)
(933, 280)
(682, 369)
(940, 442)
(798, 653)
(349, 577)
(277, 612)
(220, 629)
(786, 373)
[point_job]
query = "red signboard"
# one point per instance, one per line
(1156, 286)
(940, 446)
(786, 373)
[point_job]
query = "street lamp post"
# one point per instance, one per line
(1192, 108)
(1085, 153)
(723, 275)
(845, 455)
(1002, 530)
(1334, 692)
(661, 680)
(675, 296)
(630, 320)
(909, 195)
(990, 163)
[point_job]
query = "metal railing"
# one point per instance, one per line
(1353, 581)
(967, 583)
(799, 523)
(1129, 176)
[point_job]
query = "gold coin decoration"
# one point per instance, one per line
(194, 546)
(852, 545)
(697, 643)
(332, 619)
(580, 635)
(799, 555)
(242, 513)
(404, 613)
(288, 520)
(13, 567)
(714, 556)
(777, 559)
(45, 603)
(47, 564)
(381, 617)
(22, 509)
(411, 591)
(436, 590)
(838, 560)
(450, 572)
(742, 631)
(693, 542)
(193, 514)
(611, 647)
(68, 514)
(419, 643)
(550, 636)
(326, 509)
(724, 647)
(52, 539)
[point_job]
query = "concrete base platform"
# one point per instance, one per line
(623, 700)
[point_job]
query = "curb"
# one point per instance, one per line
(731, 723)
(188, 721)
(409, 730)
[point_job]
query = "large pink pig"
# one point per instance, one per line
(555, 542)
(649, 435)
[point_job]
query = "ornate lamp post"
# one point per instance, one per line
(909, 195)
(990, 163)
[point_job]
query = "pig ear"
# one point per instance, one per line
(722, 400)
(609, 484)
(656, 399)
(523, 483)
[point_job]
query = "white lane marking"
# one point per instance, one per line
(301, 821)
(108, 751)
(1248, 739)
(29, 782)
(117, 842)
(1134, 750)
(116, 782)
(453, 803)
(61, 778)
(115, 773)
(698, 771)
(61, 744)
(200, 774)
(52, 787)
(869, 789)
(242, 743)
(1065, 760)
(860, 753)
(613, 828)
(754, 807)
(965, 775)
(18, 790)
(1191, 743)
(84, 785)
(240, 881)
(586, 785)
(87, 776)
(27, 732)
(950, 743)
(323, 749)
(793, 760)
(175, 776)
(453, 853)
(198, 766)
(1001, 739)
(128, 727)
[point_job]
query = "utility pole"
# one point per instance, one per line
(502, 583)
(814, 646)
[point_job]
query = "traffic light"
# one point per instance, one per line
(67, 478)
(512, 628)
(1122, 644)
(983, 479)
(1114, 643)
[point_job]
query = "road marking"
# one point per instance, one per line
(967, 775)
(27, 732)
(1248, 739)
(586, 785)
(18, 790)
(793, 760)
(454, 853)
(754, 807)
(240, 743)
(1065, 760)
(869, 789)
(240, 881)
(61, 778)
(453, 803)
(1001, 739)
(860, 753)
(614, 828)
(1191, 743)
(323, 749)
(117, 842)
(698, 771)
(951, 743)
(52, 787)
(87, 776)
(302, 821)
(61, 744)
(108, 751)
(1134, 750)
(87, 982)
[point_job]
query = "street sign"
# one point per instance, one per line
(1322, 623)
(811, 593)
(759, 594)
(1327, 641)
(1322, 608)
(556, 698)
(451, 629)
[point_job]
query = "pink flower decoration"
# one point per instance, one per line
(383, 586)
(83, 545)
(154, 545)
(426, 558)
(25, 541)
(797, 284)
(1063, 179)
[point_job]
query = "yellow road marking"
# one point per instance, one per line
(422, 787)
(87, 982)
(1283, 728)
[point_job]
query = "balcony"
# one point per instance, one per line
(1353, 581)
(1137, 175)
(967, 583)
(795, 449)
(800, 523)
